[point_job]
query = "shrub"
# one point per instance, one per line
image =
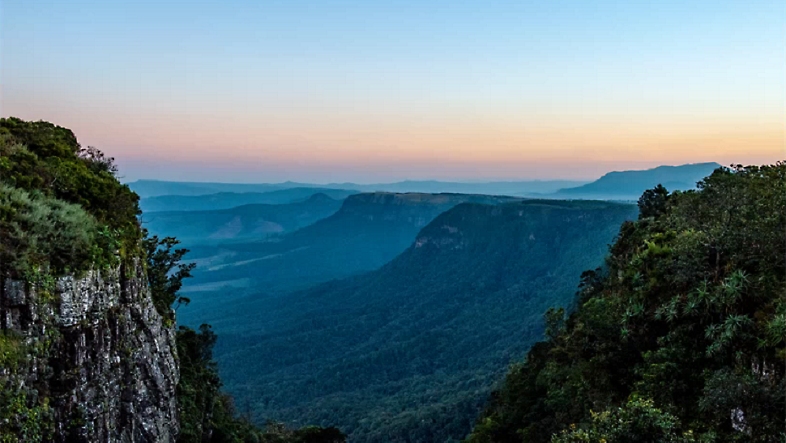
(44, 159)
(42, 232)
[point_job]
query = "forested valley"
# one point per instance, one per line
(387, 317)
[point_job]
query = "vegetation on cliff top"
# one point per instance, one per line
(680, 337)
(61, 207)
(63, 211)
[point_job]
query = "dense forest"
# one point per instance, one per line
(63, 212)
(368, 231)
(680, 337)
(409, 352)
(246, 222)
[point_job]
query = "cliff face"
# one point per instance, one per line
(97, 358)
(416, 209)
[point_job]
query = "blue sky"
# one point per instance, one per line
(340, 90)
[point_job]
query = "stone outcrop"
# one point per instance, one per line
(96, 353)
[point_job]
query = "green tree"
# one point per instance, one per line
(690, 313)
(653, 202)
(166, 272)
(638, 421)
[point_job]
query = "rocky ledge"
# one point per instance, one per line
(97, 358)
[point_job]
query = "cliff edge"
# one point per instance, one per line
(97, 355)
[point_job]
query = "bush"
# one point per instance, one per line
(42, 232)
(46, 160)
(638, 421)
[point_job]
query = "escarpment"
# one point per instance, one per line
(88, 358)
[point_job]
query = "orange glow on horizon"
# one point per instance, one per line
(485, 142)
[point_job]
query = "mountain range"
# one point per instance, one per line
(410, 351)
(628, 185)
(227, 200)
(359, 316)
(154, 188)
(365, 233)
(249, 221)
(391, 315)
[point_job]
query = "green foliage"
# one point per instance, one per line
(44, 171)
(207, 415)
(39, 232)
(653, 202)
(24, 416)
(689, 313)
(278, 433)
(198, 389)
(165, 273)
(11, 351)
(410, 352)
(638, 421)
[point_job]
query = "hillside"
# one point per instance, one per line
(367, 232)
(227, 200)
(628, 185)
(681, 338)
(247, 222)
(410, 351)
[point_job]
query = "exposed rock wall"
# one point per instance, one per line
(98, 351)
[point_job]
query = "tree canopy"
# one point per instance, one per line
(62, 207)
(687, 321)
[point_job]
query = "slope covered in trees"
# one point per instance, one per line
(242, 223)
(368, 231)
(409, 352)
(681, 337)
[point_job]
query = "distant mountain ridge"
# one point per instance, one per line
(226, 200)
(155, 188)
(409, 352)
(249, 222)
(613, 185)
(630, 184)
(367, 231)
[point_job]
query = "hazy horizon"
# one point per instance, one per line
(235, 180)
(335, 91)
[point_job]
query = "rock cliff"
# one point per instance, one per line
(87, 359)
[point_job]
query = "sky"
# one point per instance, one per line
(370, 91)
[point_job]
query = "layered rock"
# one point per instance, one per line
(97, 355)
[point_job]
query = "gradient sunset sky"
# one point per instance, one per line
(370, 91)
